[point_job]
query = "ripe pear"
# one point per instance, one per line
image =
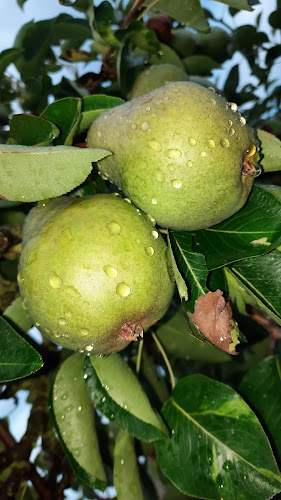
(156, 76)
(181, 153)
(93, 273)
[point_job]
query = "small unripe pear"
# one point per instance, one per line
(183, 42)
(181, 153)
(93, 275)
(156, 76)
(214, 43)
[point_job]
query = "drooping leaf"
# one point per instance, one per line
(189, 13)
(261, 386)
(31, 130)
(19, 317)
(93, 106)
(192, 266)
(7, 57)
(17, 358)
(271, 151)
(74, 420)
(174, 271)
(117, 393)
(178, 340)
(254, 230)
(218, 442)
(126, 477)
(65, 114)
(33, 174)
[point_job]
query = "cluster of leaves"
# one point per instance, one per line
(113, 417)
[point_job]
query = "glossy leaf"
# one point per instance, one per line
(31, 130)
(271, 151)
(117, 393)
(199, 65)
(175, 273)
(254, 230)
(237, 4)
(74, 420)
(19, 317)
(65, 114)
(93, 106)
(218, 442)
(189, 13)
(126, 477)
(32, 174)
(178, 340)
(7, 57)
(192, 266)
(261, 386)
(17, 358)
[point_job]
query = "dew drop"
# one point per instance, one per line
(113, 227)
(251, 151)
(62, 321)
(145, 126)
(155, 146)
(213, 102)
(203, 154)
(89, 348)
(62, 417)
(171, 167)
(84, 332)
(149, 251)
(152, 220)
(99, 134)
(154, 234)
(123, 289)
(68, 314)
(225, 143)
(79, 408)
(230, 123)
(134, 126)
(211, 144)
(122, 462)
(233, 106)
(258, 171)
(85, 376)
(110, 271)
(73, 292)
(231, 131)
(192, 141)
(23, 305)
(159, 176)
(242, 121)
(154, 201)
(189, 163)
(37, 324)
(55, 281)
(177, 183)
(173, 154)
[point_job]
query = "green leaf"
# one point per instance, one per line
(44, 172)
(80, 5)
(32, 131)
(7, 57)
(19, 317)
(176, 337)
(181, 285)
(93, 106)
(262, 388)
(254, 230)
(241, 295)
(189, 13)
(262, 275)
(218, 442)
(17, 358)
(126, 477)
(271, 151)
(237, 4)
(74, 420)
(191, 264)
(275, 19)
(117, 393)
(199, 65)
(165, 55)
(21, 3)
(65, 114)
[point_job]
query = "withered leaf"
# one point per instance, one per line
(213, 316)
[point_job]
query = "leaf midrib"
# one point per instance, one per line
(187, 415)
(190, 269)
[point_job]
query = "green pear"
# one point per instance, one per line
(214, 43)
(156, 76)
(183, 41)
(93, 273)
(181, 153)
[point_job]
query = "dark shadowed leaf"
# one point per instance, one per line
(189, 13)
(261, 386)
(218, 442)
(73, 416)
(33, 174)
(65, 114)
(275, 19)
(254, 230)
(17, 358)
(93, 106)
(199, 65)
(32, 131)
(126, 477)
(7, 57)
(117, 393)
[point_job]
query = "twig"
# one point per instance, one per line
(147, 9)
(167, 362)
(139, 357)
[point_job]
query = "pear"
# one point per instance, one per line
(156, 76)
(214, 43)
(93, 273)
(183, 41)
(181, 153)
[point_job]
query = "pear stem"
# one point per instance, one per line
(139, 356)
(147, 9)
(164, 355)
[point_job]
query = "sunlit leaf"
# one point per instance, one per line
(189, 13)
(93, 106)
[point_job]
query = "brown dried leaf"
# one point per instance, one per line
(213, 316)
